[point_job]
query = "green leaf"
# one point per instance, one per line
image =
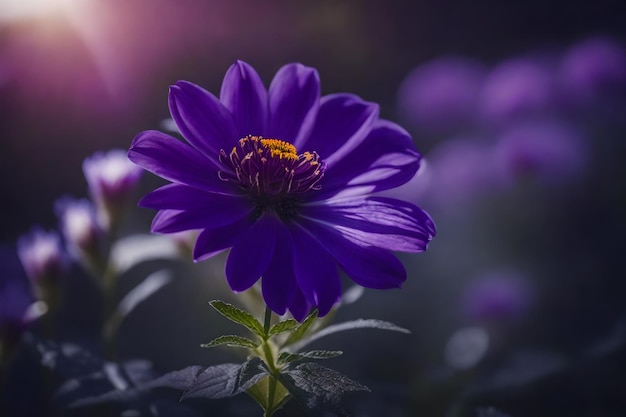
(238, 316)
(351, 325)
(318, 387)
(231, 340)
(301, 330)
(287, 357)
(283, 326)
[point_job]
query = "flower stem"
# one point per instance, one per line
(269, 360)
(267, 322)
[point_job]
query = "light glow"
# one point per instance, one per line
(15, 10)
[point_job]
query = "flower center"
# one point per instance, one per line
(272, 172)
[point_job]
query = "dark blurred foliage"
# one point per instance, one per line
(555, 345)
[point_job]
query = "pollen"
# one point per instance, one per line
(280, 148)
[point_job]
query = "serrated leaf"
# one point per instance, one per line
(350, 325)
(301, 330)
(231, 340)
(219, 381)
(181, 379)
(316, 386)
(251, 372)
(226, 380)
(287, 357)
(283, 326)
(239, 316)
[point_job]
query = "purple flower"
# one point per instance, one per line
(42, 256)
(441, 94)
(518, 88)
(549, 152)
(458, 171)
(111, 177)
(284, 177)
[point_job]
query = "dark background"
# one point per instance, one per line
(92, 76)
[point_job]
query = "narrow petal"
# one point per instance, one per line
(212, 241)
(245, 96)
(252, 253)
(343, 122)
(368, 266)
(204, 217)
(377, 221)
(206, 124)
(299, 307)
(294, 96)
(279, 280)
(386, 159)
(180, 197)
(316, 271)
(176, 161)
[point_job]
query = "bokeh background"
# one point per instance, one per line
(518, 108)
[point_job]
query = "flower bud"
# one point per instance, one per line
(45, 263)
(111, 178)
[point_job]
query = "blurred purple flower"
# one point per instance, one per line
(15, 293)
(518, 88)
(460, 170)
(292, 218)
(497, 295)
(42, 256)
(592, 68)
(442, 94)
(550, 152)
(111, 178)
(79, 226)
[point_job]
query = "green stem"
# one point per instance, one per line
(269, 360)
(267, 322)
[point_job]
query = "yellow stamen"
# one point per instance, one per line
(280, 148)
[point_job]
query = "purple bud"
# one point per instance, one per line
(79, 226)
(497, 295)
(592, 68)
(42, 256)
(111, 177)
(442, 94)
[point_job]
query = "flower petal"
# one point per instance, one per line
(299, 307)
(386, 159)
(181, 197)
(279, 280)
(206, 124)
(343, 122)
(377, 221)
(252, 253)
(294, 96)
(216, 214)
(316, 271)
(245, 96)
(212, 241)
(367, 265)
(176, 161)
